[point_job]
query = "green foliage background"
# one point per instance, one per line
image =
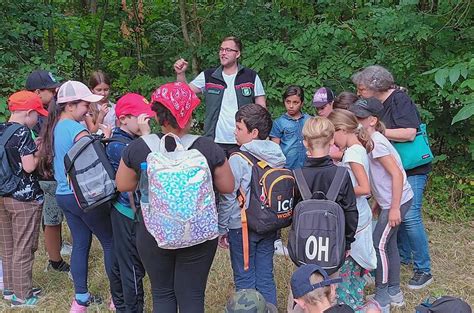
(427, 44)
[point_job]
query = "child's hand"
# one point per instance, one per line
(394, 217)
(106, 130)
(143, 124)
(223, 241)
(375, 209)
(180, 66)
(104, 109)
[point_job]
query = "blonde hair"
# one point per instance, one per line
(318, 132)
(346, 120)
(319, 294)
(380, 126)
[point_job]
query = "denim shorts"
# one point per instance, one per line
(52, 213)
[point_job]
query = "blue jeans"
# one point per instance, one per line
(412, 238)
(82, 226)
(259, 276)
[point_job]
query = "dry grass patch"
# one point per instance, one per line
(451, 249)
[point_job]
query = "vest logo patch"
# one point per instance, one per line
(213, 91)
(246, 91)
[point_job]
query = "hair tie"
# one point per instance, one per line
(359, 126)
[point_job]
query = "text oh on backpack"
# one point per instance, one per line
(272, 193)
(89, 172)
(182, 209)
(8, 180)
(317, 234)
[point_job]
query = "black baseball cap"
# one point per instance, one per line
(363, 108)
(41, 79)
(300, 280)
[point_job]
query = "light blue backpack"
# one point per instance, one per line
(181, 211)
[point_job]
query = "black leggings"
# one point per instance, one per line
(178, 277)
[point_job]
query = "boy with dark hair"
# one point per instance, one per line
(133, 112)
(21, 200)
(44, 84)
(253, 125)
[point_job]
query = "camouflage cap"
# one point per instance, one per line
(249, 301)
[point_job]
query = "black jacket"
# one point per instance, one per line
(319, 173)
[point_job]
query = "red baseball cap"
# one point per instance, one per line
(133, 104)
(26, 100)
(179, 98)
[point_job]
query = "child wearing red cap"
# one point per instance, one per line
(22, 198)
(178, 276)
(133, 112)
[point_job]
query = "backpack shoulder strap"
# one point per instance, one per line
(8, 133)
(246, 156)
(302, 184)
(188, 140)
(336, 183)
(115, 139)
(152, 141)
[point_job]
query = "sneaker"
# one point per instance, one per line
(29, 302)
(63, 267)
(397, 300)
(66, 248)
(77, 308)
(280, 249)
(112, 305)
(373, 303)
(81, 307)
(420, 280)
(8, 294)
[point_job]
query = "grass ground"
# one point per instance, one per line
(451, 249)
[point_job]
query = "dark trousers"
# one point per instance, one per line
(126, 282)
(82, 226)
(178, 277)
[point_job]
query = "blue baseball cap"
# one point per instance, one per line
(300, 280)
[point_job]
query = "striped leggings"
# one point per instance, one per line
(387, 274)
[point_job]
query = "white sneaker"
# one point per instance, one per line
(66, 249)
(280, 249)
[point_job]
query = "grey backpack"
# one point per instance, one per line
(8, 180)
(89, 172)
(317, 234)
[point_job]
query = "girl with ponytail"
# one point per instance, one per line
(356, 143)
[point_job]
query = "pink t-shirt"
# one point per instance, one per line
(380, 179)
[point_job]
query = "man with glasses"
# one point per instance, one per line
(226, 88)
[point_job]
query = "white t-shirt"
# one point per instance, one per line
(226, 122)
(380, 179)
(362, 249)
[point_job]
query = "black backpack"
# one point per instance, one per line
(317, 234)
(8, 180)
(445, 304)
(272, 192)
(89, 172)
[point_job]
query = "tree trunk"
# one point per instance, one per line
(187, 39)
(51, 41)
(98, 40)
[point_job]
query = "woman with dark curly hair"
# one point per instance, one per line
(402, 119)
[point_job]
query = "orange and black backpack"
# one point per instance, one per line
(272, 193)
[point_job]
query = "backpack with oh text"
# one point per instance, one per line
(89, 172)
(181, 210)
(444, 304)
(8, 180)
(317, 234)
(272, 193)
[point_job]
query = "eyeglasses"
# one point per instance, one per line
(227, 50)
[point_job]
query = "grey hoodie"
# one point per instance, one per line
(229, 210)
